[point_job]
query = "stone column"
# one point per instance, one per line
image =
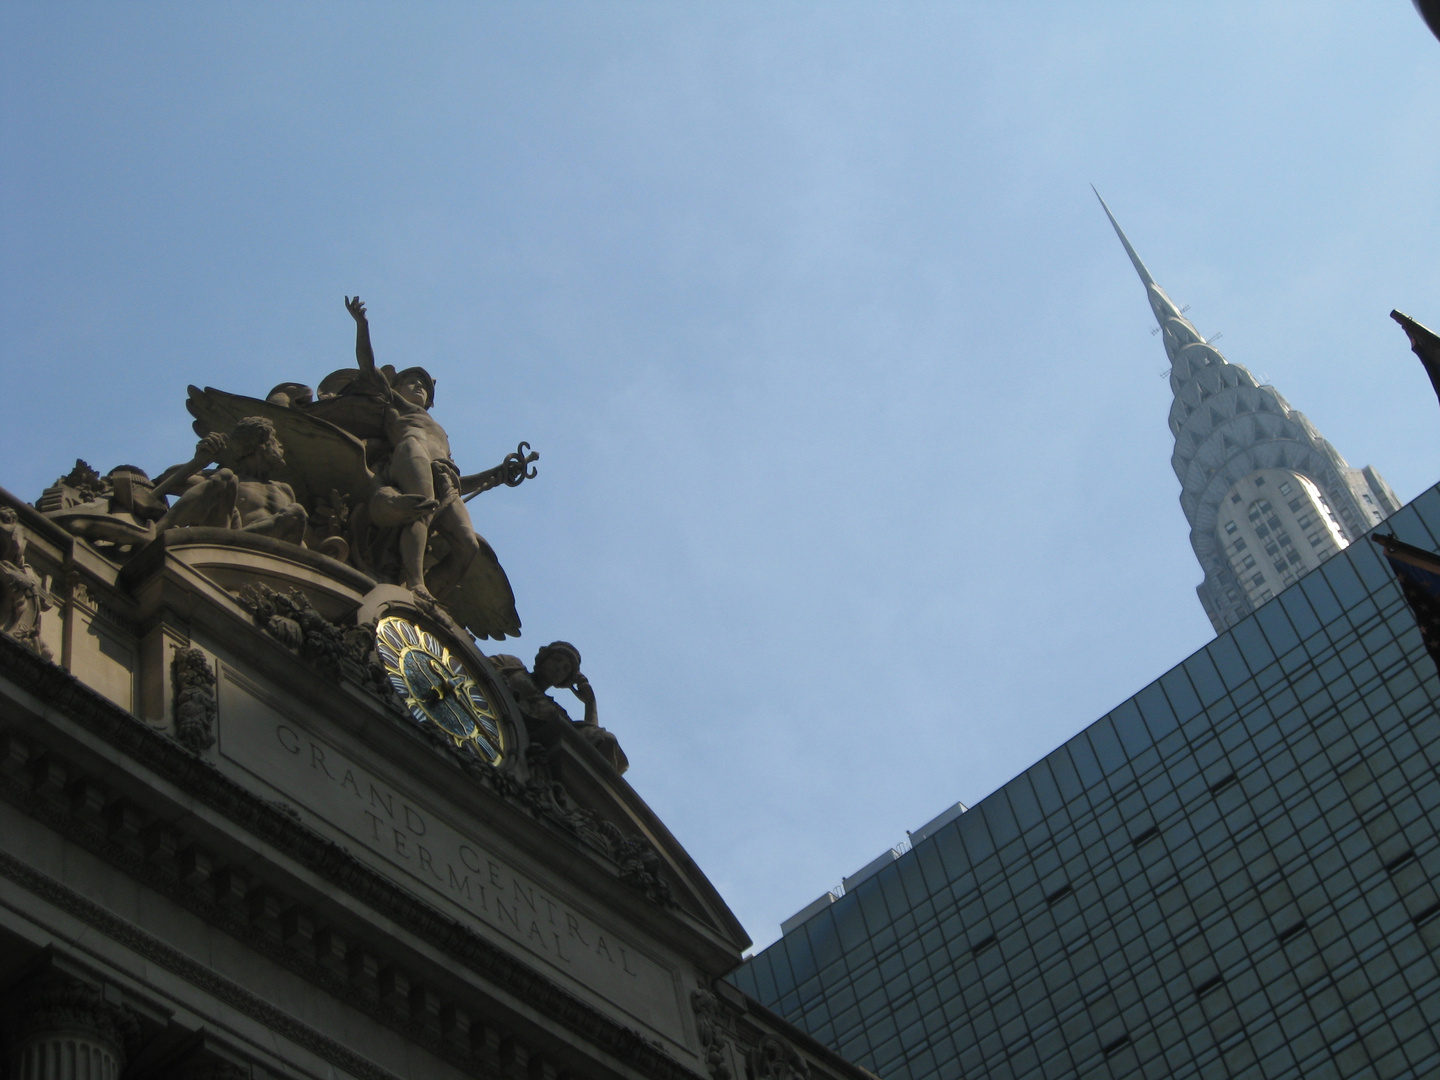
(66, 1030)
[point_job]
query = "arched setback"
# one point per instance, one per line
(1274, 525)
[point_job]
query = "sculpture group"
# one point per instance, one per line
(356, 469)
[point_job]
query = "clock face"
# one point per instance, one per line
(437, 687)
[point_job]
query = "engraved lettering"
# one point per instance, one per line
(281, 732)
(374, 823)
(349, 782)
(521, 894)
(317, 760)
(385, 799)
(459, 884)
(431, 844)
(513, 914)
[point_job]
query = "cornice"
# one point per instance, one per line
(192, 971)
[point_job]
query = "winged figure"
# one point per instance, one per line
(348, 479)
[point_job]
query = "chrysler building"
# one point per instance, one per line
(1267, 498)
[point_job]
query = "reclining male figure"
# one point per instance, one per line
(242, 498)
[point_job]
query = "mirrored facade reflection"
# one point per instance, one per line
(1235, 873)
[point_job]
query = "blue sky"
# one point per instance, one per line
(854, 485)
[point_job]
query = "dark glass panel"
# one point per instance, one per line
(1345, 583)
(1252, 644)
(1206, 680)
(1047, 792)
(1428, 510)
(1302, 615)
(1087, 766)
(1180, 693)
(1106, 745)
(1321, 597)
(849, 923)
(1062, 768)
(1000, 817)
(1275, 623)
(1226, 656)
(975, 834)
(1024, 802)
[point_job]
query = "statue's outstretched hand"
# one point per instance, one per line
(356, 307)
(211, 447)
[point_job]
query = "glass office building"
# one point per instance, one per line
(1233, 874)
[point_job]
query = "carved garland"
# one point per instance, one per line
(193, 680)
(334, 651)
(709, 1027)
(775, 1059)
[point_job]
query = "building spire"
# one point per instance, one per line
(1178, 331)
(1254, 473)
(1139, 266)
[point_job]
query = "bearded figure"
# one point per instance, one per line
(242, 496)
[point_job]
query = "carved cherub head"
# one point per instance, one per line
(556, 664)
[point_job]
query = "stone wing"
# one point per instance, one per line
(319, 457)
(483, 602)
(362, 415)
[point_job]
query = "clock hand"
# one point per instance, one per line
(435, 692)
(456, 682)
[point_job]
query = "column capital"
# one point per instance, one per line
(50, 1013)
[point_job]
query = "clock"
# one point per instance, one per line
(438, 688)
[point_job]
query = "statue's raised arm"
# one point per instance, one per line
(364, 353)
